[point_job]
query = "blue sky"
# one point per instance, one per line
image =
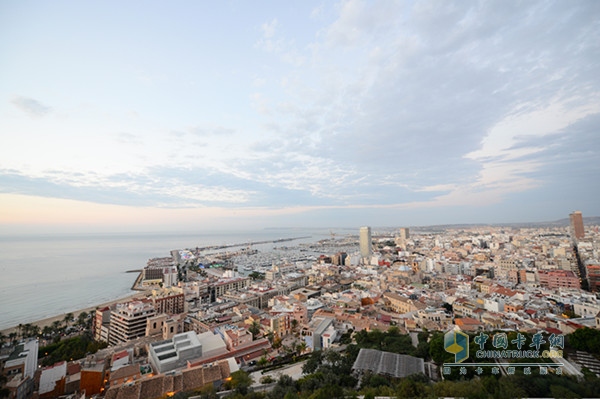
(236, 114)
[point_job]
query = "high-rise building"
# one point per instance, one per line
(404, 233)
(128, 321)
(577, 231)
(365, 242)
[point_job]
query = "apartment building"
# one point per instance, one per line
(128, 321)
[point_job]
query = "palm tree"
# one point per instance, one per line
(35, 330)
(26, 333)
(47, 331)
(56, 324)
(13, 337)
(2, 338)
(82, 319)
(301, 346)
(254, 329)
(68, 318)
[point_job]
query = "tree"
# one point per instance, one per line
(12, 337)
(47, 331)
(240, 381)
(254, 329)
(263, 361)
(68, 318)
(267, 379)
(34, 331)
(585, 339)
(82, 319)
(301, 347)
(270, 337)
(559, 391)
(56, 327)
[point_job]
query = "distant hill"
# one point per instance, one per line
(587, 221)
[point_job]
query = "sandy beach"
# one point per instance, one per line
(48, 321)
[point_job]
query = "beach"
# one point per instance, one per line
(60, 317)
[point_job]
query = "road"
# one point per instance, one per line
(294, 371)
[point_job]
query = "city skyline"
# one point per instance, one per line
(148, 116)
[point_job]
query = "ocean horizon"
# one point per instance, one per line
(44, 275)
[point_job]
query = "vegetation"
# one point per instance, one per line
(585, 339)
(328, 375)
(69, 349)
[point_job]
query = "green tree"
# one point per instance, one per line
(240, 382)
(285, 386)
(68, 318)
(254, 329)
(436, 349)
(12, 337)
(82, 319)
(312, 363)
(262, 361)
(559, 391)
(585, 339)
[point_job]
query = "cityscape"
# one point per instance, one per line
(343, 199)
(204, 317)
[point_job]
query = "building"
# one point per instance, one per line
(577, 230)
(593, 276)
(168, 300)
(93, 375)
(53, 380)
(19, 369)
(558, 278)
(22, 360)
(101, 324)
(365, 242)
(165, 325)
(175, 353)
(314, 334)
(404, 233)
(221, 287)
(167, 385)
(236, 337)
(387, 364)
(128, 321)
(400, 304)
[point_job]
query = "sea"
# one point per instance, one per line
(44, 275)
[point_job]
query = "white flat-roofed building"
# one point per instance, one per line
(174, 353)
(23, 359)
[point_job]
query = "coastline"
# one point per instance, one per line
(49, 320)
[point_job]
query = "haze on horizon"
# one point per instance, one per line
(153, 115)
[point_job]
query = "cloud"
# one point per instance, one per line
(435, 97)
(30, 106)
(268, 42)
(369, 106)
(210, 131)
(129, 138)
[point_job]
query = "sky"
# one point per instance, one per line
(152, 115)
